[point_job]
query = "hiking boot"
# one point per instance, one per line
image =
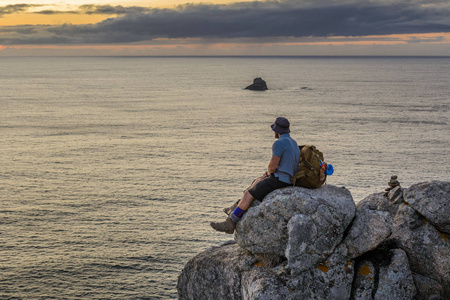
(229, 210)
(226, 226)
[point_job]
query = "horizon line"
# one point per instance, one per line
(242, 56)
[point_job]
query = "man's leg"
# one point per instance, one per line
(246, 201)
(228, 210)
(259, 191)
(229, 224)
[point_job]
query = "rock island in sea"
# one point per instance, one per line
(316, 244)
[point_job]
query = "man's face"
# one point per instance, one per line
(277, 135)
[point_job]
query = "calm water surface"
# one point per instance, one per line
(112, 168)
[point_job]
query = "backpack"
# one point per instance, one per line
(311, 168)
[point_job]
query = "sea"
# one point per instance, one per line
(112, 168)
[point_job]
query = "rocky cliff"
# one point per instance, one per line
(316, 244)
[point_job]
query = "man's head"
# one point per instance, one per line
(280, 126)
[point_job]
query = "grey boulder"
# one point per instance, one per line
(396, 281)
(428, 249)
(214, 273)
(432, 201)
(369, 229)
(303, 225)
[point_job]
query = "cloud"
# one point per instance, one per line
(92, 9)
(15, 8)
(54, 12)
(436, 39)
(254, 20)
(110, 10)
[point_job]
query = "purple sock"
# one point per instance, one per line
(237, 214)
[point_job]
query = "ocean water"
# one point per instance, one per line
(113, 167)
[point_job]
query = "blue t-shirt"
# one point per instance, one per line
(287, 149)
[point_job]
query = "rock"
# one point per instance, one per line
(215, 273)
(396, 281)
(310, 244)
(364, 282)
(393, 183)
(310, 240)
(262, 284)
(432, 201)
(258, 85)
(320, 218)
(302, 251)
(376, 201)
(369, 229)
(396, 195)
(229, 272)
(428, 249)
(427, 288)
(331, 279)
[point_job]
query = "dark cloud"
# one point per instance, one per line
(249, 20)
(54, 12)
(110, 10)
(92, 9)
(15, 8)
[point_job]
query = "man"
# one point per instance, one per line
(282, 167)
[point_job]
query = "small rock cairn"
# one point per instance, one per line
(393, 183)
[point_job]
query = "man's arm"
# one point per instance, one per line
(273, 164)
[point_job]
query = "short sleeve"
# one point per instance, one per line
(277, 148)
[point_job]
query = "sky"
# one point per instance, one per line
(225, 27)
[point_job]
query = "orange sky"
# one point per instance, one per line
(33, 19)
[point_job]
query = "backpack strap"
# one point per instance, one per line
(305, 160)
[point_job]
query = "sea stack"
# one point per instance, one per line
(258, 85)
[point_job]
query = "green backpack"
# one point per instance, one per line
(310, 173)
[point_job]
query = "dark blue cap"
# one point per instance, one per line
(281, 125)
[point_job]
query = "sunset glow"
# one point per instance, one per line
(216, 28)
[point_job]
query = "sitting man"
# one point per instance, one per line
(282, 167)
